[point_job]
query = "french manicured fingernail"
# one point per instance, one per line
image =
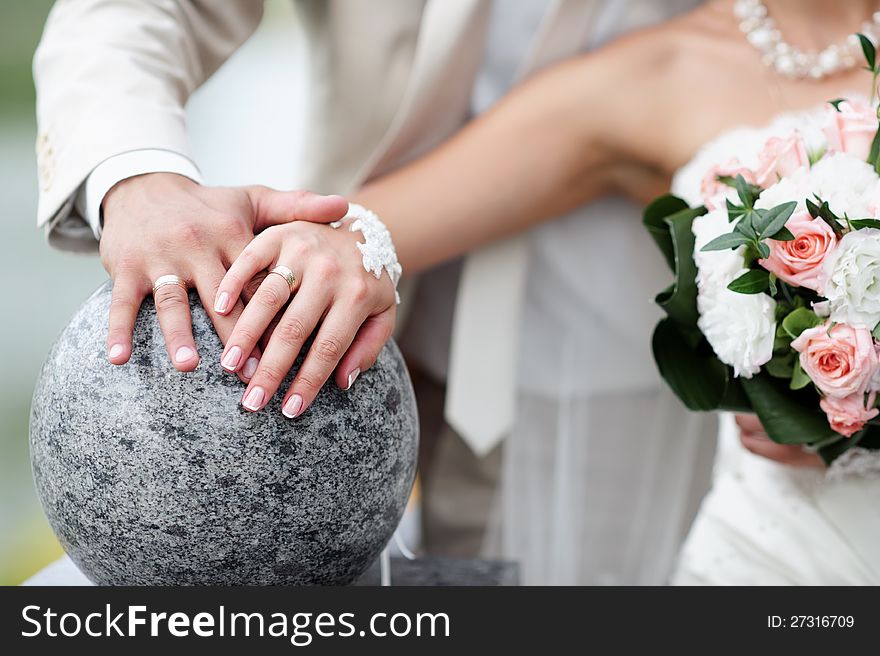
(253, 400)
(250, 367)
(183, 354)
(222, 302)
(116, 350)
(353, 377)
(293, 406)
(231, 359)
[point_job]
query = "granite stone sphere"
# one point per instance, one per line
(153, 477)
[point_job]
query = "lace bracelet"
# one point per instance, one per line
(377, 248)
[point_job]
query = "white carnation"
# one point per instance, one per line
(741, 328)
(846, 182)
(715, 267)
(792, 187)
(852, 279)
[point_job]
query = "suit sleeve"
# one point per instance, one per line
(113, 76)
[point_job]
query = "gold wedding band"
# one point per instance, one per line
(161, 281)
(287, 274)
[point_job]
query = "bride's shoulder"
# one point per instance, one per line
(658, 72)
(678, 51)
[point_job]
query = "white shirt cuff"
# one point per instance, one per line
(103, 177)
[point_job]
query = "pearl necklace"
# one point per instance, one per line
(785, 59)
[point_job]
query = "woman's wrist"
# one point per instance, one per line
(377, 249)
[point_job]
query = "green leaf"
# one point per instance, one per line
(800, 320)
(747, 193)
(836, 103)
(836, 446)
(729, 240)
(783, 235)
(876, 331)
(868, 438)
(680, 300)
(823, 211)
(788, 417)
(799, 378)
(781, 366)
(734, 211)
(868, 50)
(654, 220)
(763, 250)
(774, 219)
(697, 377)
(874, 154)
(746, 224)
(751, 282)
(858, 224)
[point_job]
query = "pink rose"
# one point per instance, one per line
(848, 415)
(841, 360)
(851, 130)
(781, 157)
(799, 262)
(711, 188)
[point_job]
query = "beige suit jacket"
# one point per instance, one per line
(390, 80)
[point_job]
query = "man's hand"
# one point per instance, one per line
(754, 439)
(162, 223)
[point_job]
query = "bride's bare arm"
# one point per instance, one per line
(548, 147)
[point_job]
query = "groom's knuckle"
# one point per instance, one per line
(122, 304)
(214, 286)
(117, 334)
(177, 335)
(170, 299)
(230, 225)
(127, 261)
(188, 233)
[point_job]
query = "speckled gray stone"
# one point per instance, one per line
(149, 476)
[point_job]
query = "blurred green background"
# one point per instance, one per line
(41, 289)
(256, 91)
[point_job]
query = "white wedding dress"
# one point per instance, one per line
(764, 523)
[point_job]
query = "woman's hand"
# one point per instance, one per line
(355, 309)
(164, 224)
(754, 439)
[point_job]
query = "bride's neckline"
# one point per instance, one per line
(744, 142)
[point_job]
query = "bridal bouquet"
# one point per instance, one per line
(775, 308)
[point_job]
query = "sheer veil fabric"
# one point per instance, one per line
(605, 468)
